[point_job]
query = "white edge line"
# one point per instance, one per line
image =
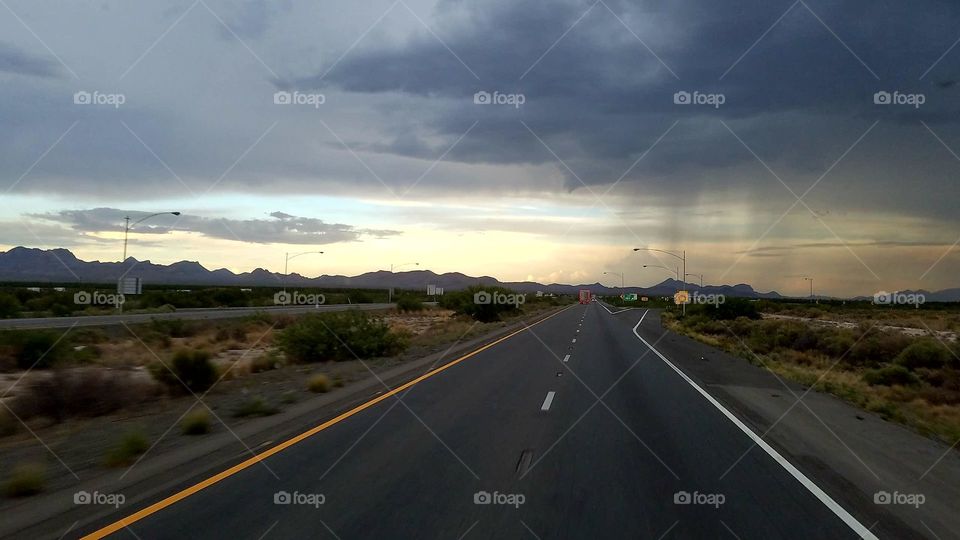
(547, 401)
(806, 482)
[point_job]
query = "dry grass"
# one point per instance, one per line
(26, 479)
(319, 383)
(906, 405)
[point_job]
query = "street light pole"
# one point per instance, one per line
(286, 264)
(810, 279)
(390, 288)
(617, 274)
(682, 257)
(701, 278)
(126, 234)
(127, 226)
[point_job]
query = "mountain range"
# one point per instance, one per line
(33, 265)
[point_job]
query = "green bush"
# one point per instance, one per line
(731, 309)
(125, 452)
(266, 361)
(189, 370)
(339, 336)
(878, 348)
(39, 349)
(923, 353)
(9, 306)
(473, 302)
(175, 328)
(409, 303)
(25, 479)
(196, 422)
(254, 406)
(890, 375)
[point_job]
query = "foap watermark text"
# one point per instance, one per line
(698, 98)
(99, 98)
(503, 499)
(115, 500)
(486, 98)
(305, 499)
(898, 98)
(497, 297)
(297, 298)
(299, 98)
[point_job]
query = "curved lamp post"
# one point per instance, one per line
(682, 256)
(392, 268)
(616, 274)
(286, 264)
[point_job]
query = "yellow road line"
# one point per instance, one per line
(179, 496)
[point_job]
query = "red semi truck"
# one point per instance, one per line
(585, 296)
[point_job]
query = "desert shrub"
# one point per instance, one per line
(188, 370)
(731, 309)
(339, 336)
(25, 479)
(196, 422)
(807, 340)
(267, 361)
(259, 317)
(88, 336)
(361, 297)
(87, 392)
(889, 376)
(175, 328)
(408, 303)
(222, 335)
(837, 344)
(239, 333)
(37, 349)
(126, 450)
(741, 326)
(9, 306)
(480, 302)
(878, 347)
(254, 406)
(923, 353)
(319, 383)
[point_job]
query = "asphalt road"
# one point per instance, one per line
(612, 442)
(186, 314)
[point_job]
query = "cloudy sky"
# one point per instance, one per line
(523, 140)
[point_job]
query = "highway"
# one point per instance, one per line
(575, 427)
(185, 314)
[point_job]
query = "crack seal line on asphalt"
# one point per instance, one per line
(183, 494)
(813, 488)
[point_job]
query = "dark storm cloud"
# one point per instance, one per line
(283, 228)
(799, 98)
(16, 61)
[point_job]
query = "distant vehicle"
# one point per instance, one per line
(585, 296)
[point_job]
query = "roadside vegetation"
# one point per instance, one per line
(58, 300)
(913, 379)
(104, 396)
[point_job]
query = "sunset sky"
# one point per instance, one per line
(803, 169)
